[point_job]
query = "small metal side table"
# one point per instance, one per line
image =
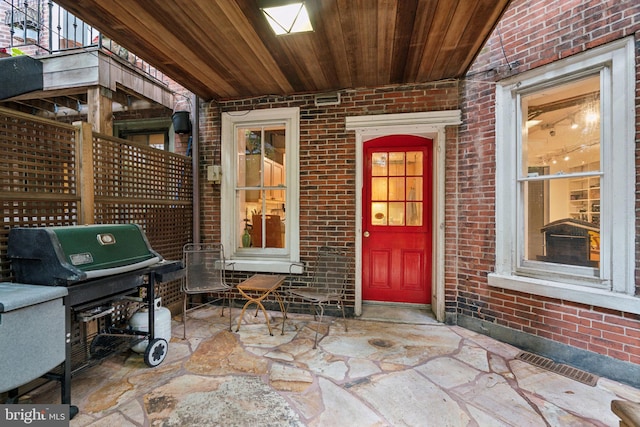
(256, 288)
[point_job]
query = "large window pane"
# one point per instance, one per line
(561, 173)
(562, 128)
(531, 195)
(261, 186)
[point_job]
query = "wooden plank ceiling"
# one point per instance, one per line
(224, 49)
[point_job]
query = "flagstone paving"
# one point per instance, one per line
(376, 374)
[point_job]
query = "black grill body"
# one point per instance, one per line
(97, 264)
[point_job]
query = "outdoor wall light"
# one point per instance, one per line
(214, 173)
(286, 16)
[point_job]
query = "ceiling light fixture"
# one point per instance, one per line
(286, 16)
(574, 125)
(592, 117)
(532, 123)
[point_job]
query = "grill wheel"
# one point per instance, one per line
(156, 352)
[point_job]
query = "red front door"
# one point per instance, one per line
(397, 213)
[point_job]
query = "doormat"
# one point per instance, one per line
(564, 370)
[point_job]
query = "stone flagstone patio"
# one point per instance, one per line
(379, 373)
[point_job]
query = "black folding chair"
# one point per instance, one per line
(325, 284)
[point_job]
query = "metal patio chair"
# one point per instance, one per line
(205, 273)
(325, 284)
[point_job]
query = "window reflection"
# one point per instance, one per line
(379, 188)
(396, 188)
(378, 213)
(261, 186)
(560, 173)
(379, 164)
(414, 214)
(414, 186)
(396, 164)
(414, 163)
(396, 213)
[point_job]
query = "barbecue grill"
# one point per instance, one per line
(63, 256)
(98, 265)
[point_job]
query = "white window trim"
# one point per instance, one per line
(617, 189)
(267, 261)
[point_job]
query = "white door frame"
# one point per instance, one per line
(431, 125)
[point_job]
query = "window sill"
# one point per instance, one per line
(266, 266)
(568, 292)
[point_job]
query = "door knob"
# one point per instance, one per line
(366, 234)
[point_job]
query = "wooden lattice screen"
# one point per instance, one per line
(37, 176)
(48, 179)
(134, 183)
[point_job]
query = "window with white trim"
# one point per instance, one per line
(260, 188)
(565, 179)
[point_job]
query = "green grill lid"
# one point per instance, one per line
(98, 247)
(65, 255)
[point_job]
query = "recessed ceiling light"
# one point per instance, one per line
(592, 117)
(286, 17)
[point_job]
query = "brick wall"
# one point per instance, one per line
(533, 33)
(327, 154)
(209, 154)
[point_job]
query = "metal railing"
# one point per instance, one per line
(24, 20)
(49, 28)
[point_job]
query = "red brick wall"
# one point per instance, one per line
(209, 154)
(327, 154)
(533, 33)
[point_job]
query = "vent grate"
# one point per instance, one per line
(327, 99)
(564, 370)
